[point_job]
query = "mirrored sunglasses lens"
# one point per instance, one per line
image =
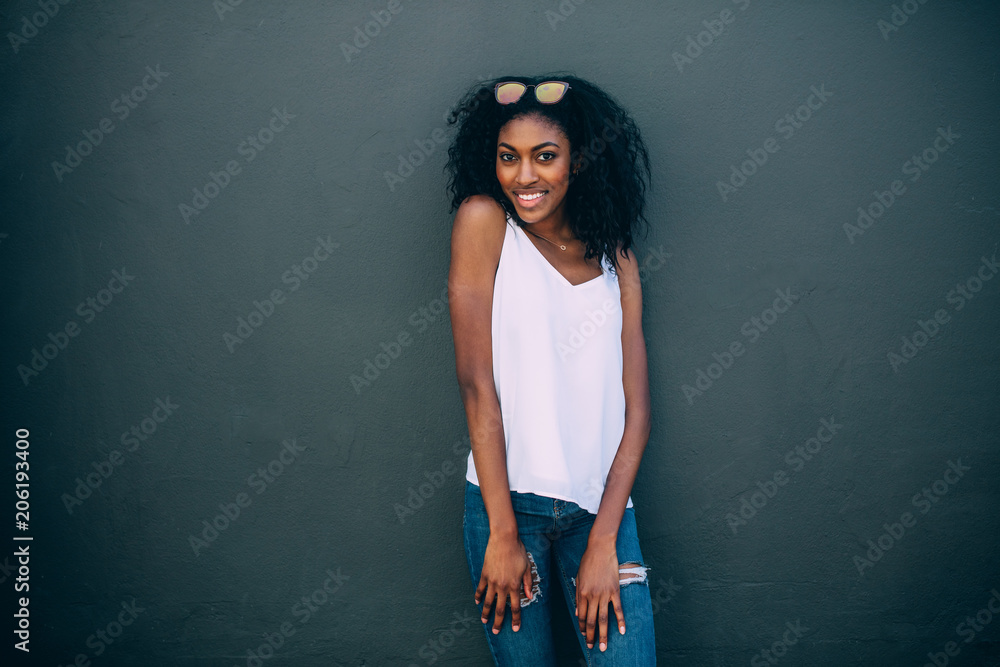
(509, 93)
(550, 91)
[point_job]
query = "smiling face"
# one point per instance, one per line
(533, 166)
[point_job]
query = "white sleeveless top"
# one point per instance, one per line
(557, 368)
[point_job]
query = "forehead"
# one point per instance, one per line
(531, 130)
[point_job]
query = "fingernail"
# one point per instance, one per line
(516, 627)
(621, 629)
(495, 631)
(589, 645)
(603, 646)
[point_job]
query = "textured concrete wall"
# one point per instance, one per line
(208, 232)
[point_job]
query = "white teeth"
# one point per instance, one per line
(530, 197)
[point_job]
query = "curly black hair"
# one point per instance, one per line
(606, 198)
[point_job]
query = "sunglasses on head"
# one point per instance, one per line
(546, 92)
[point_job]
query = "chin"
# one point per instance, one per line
(532, 216)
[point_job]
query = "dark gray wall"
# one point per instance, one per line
(737, 558)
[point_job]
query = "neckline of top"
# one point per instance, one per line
(549, 264)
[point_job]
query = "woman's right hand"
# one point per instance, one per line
(506, 572)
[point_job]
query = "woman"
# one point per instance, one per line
(549, 177)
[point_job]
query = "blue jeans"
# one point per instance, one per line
(554, 533)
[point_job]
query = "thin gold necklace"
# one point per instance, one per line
(561, 246)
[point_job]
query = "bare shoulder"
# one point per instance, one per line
(482, 214)
(477, 239)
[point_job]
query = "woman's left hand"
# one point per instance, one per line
(597, 585)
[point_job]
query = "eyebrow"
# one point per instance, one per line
(541, 145)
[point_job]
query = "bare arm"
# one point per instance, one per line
(475, 254)
(635, 380)
(476, 242)
(598, 578)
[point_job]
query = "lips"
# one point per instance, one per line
(530, 198)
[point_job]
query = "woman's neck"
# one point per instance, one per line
(558, 230)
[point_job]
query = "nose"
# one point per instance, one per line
(526, 173)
